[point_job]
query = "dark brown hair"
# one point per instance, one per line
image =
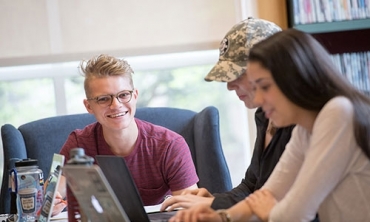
(313, 78)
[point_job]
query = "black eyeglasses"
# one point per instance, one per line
(107, 100)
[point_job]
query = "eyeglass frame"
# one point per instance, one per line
(111, 96)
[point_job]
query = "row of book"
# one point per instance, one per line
(315, 11)
(356, 68)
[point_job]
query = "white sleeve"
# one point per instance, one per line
(326, 156)
(286, 170)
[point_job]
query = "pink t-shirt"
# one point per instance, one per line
(160, 162)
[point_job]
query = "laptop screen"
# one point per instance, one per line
(50, 188)
(119, 177)
(93, 193)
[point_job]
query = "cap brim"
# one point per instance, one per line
(226, 71)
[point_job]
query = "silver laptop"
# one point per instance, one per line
(119, 177)
(109, 196)
(93, 193)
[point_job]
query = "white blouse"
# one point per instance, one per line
(324, 172)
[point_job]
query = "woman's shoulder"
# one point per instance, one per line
(336, 113)
(339, 101)
(338, 106)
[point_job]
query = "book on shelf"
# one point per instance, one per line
(355, 67)
(316, 11)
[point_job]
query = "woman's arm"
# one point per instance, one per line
(261, 202)
(327, 152)
(203, 212)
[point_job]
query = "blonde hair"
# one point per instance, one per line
(103, 66)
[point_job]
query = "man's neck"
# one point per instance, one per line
(122, 142)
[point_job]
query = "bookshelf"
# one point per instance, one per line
(343, 28)
(348, 25)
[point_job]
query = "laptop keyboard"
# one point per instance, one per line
(161, 216)
(3, 217)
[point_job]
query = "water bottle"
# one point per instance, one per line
(77, 157)
(28, 180)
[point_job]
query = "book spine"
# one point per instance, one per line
(313, 11)
(364, 9)
(302, 12)
(296, 11)
(367, 66)
(347, 9)
(354, 9)
(307, 10)
(336, 10)
(327, 11)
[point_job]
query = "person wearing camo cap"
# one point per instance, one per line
(269, 145)
(234, 48)
(270, 142)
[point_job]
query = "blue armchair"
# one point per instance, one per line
(42, 138)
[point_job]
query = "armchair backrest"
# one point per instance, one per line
(42, 138)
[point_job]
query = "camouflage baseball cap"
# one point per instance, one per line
(235, 46)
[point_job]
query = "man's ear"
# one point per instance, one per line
(135, 94)
(88, 106)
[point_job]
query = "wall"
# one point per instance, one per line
(30, 31)
(273, 10)
(44, 31)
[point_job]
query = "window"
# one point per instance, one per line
(175, 80)
(25, 100)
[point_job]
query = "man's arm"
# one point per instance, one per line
(218, 200)
(179, 167)
(262, 164)
(59, 204)
(187, 198)
(230, 198)
(62, 187)
(178, 192)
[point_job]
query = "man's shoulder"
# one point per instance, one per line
(88, 130)
(81, 137)
(149, 128)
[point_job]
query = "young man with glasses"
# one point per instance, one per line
(159, 159)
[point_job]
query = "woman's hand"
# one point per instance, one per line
(261, 202)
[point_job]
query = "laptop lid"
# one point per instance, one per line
(119, 177)
(50, 188)
(93, 193)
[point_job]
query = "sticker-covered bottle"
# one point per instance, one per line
(28, 180)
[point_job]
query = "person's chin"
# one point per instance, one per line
(249, 105)
(279, 124)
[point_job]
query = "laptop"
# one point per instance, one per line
(119, 177)
(93, 193)
(108, 190)
(50, 188)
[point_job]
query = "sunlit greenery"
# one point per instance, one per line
(26, 100)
